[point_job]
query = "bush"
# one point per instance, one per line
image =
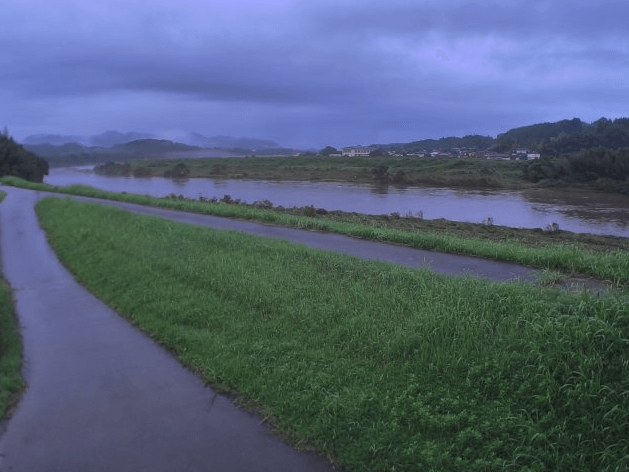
(180, 171)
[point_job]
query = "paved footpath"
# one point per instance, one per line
(449, 264)
(101, 395)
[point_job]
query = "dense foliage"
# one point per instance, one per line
(17, 161)
(596, 163)
(603, 133)
(117, 169)
(567, 136)
(535, 135)
(609, 169)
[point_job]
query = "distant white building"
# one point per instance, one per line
(533, 155)
(357, 151)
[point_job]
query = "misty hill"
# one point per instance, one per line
(53, 139)
(106, 139)
(115, 138)
(111, 138)
(227, 142)
(153, 146)
(51, 150)
(69, 154)
(78, 154)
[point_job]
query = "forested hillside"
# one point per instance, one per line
(17, 161)
(567, 136)
(477, 142)
(606, 169)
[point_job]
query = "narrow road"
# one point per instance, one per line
(101, 395)
(449, 264)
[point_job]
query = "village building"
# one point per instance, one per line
(357, 151)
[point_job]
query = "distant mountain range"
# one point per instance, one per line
(113, 138)
(550, 139)
(65, 150)
(107, 139)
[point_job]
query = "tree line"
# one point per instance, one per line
(609, 168)
(566, 136)
(17, 161)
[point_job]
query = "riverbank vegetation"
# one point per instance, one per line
(378, 366)
(472, 173)
(605, 170)
(11, 383)
(594, 169)
(604, 258)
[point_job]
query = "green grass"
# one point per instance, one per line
(411, 171)
(10, 349)
(571, 259)
(381, 367)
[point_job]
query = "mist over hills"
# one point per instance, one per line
(106, 139)
(226, 142)
(550, 139)
(113, 138)
(63, 150)
(53, 139)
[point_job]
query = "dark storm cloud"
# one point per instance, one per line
(572, 19)
(348, 71)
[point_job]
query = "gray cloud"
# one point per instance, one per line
(338, 71)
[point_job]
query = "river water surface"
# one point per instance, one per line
(572, 211)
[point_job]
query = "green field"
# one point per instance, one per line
(10, 349)
(396, 170)
(380, 367)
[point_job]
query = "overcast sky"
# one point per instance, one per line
(309, 73)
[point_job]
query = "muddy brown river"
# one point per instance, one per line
(573, 211)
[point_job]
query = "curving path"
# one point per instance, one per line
(102, 396)
(449, 264)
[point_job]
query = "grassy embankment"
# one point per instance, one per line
(10, 348)
(604, 258)
(380, 367)
(599, 257)
(481, 173)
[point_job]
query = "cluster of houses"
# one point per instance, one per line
(518, 154)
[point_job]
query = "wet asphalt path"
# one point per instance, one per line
(449, 264)
(101, 395)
